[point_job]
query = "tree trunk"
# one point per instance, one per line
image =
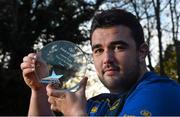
(158, 27)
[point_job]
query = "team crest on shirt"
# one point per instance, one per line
(115, 105)
(94, 109)
(145, 113)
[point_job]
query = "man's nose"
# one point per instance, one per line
(108, 57)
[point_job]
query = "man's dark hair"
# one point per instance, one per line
(117, 17)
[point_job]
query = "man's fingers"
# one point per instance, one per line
(27, 71)
(32, 55)
(54, 92)
(54, 108)
(26, 66)
(28, 61)
(55, 103)
(51, 100)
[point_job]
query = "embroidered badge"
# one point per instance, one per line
(94, 109)
(115, 105)
(145, 113)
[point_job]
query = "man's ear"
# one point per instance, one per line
(143, 51)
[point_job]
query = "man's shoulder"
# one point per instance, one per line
(153, 80)
(155, 94)
(154, 88)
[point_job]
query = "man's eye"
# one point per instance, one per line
(98, 51)
(118, 48)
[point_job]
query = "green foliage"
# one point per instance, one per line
(170, 64)
(26, 22)
(23, 22)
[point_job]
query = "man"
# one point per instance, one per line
(119, 53)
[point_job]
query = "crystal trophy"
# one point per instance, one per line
(63, 63)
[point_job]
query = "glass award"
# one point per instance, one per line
(62, 63)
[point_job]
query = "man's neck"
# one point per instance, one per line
(143, 70)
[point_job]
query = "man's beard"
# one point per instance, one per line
(124, 81)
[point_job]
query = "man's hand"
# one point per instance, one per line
(31, 77)
(69, 103)
(39, 105)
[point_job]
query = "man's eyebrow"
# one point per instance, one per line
(96, 46)
(119, 42)
(112, 43)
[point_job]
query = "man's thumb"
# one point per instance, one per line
(82, 86)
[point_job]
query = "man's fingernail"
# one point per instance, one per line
(34, 56)
(32, 69)
(32, 65)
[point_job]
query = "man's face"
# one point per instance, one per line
(115, 57)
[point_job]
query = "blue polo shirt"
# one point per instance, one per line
(153, 95)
